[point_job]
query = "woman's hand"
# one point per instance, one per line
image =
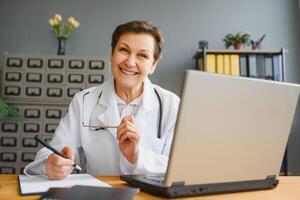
(58, 167)
(129, 138)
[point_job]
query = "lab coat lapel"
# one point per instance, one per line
(90, 101)
(145, 117)
(110, 115)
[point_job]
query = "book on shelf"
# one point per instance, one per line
(243, 65)
(252, 66)
(277, 68)
(210, 63)
(260, 66)
(227, 64)
(269, 68)
(220, 64)
(235, 64)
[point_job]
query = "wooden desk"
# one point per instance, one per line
(288, 188)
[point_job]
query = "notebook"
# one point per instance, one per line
(231, 134)
(39, 184)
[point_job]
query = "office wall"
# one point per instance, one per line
(24, 29)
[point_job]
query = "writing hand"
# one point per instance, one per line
(58, 167)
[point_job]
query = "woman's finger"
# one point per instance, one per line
(124, 127)
(133, 137)
(58, 160)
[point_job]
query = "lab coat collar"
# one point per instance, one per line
(149, 98)
(107, 98)
(110, 115)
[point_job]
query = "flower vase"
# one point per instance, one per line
(61, 45)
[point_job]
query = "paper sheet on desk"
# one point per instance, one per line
(40, 184)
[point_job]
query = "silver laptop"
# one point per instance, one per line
(231, 134)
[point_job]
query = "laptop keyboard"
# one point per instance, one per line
(156, 178)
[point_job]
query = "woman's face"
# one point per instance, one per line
(133, 59)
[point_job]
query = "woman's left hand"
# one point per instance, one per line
(129, 138)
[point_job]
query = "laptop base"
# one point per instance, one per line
(181, 190)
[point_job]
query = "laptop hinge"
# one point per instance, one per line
(273, 182)
(271, 177)
(175, 184)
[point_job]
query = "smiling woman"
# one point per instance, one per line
(131, 61)
(137, 118)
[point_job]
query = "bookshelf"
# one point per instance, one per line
(263, 64)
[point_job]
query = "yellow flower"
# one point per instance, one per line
(73, 22)
(51, 22)
(57, 17)
(60, 29)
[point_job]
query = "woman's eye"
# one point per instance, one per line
(143, 56)
(123, 50)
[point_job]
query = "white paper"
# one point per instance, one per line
(40, 183)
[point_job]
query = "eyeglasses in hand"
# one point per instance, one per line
(94, 127)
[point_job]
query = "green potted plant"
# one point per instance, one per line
(8, 112)
(238, 40)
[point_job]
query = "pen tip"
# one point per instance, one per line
(78, 168)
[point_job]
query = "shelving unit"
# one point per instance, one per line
(41, 88)
(256, 64)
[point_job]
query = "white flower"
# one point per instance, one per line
(57, 17)
(63, 29)
(73, 22)
(51, 22)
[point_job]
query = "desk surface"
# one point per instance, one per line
(288, 188)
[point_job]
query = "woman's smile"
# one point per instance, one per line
(127, 72)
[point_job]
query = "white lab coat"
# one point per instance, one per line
(103, 156)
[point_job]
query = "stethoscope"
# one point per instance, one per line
(160, 113)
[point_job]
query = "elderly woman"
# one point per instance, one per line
(123, 126)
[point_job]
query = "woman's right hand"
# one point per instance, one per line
(58, 167)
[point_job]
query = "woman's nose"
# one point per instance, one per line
(131, 60)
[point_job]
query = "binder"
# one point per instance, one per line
(211, 63)
(252, 66)
(269, 68)
(260, 66)
(277, 68)
(243, 66)
(227, 64)
(235, 64)
(220, 64)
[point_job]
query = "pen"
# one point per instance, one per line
(55, 151)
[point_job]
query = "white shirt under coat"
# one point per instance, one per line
(101, 149)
